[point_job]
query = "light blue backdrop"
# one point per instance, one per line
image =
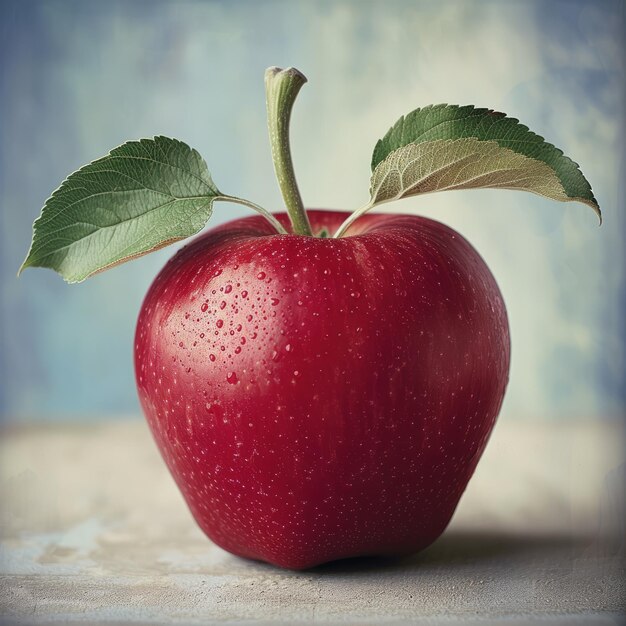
(78, 78)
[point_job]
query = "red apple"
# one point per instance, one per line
(314, 398)
(318, 398)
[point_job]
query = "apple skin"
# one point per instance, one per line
(315, 398)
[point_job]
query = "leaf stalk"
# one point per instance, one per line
(259, 209)
(352, 218)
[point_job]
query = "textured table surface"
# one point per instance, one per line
(93, 530)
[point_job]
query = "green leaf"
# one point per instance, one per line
(442, 123)
(460, 164)
(140, 197)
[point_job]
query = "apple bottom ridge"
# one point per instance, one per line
(304, 557)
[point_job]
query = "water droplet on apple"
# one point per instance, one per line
(244, 294)
(223, 304)
(231, 378)
(219, 323)
(237, 350)
(356, 294)
(261, 275)
(288, 347)
(228, 288)
(204, 307)
(211, 357)
(274, 301)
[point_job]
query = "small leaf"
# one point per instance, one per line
(142, 196)
(440, 123)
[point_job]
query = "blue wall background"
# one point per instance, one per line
(78, 78)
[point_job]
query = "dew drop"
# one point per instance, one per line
(237, 350)
(201, 335)
(356, 294)
(261, 275)
(244, 294)
(228, 288)
(249, 318)
(223, 304)
(211, 357)
(219, 323)
(274, 301)
(204, 307)
(288, 347)
(231, 378)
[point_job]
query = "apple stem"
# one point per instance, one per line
(281, 89)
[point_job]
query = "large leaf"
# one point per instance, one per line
(450, 122)
(460, 164)
(143, 195)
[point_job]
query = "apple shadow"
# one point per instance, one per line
(465, 548)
